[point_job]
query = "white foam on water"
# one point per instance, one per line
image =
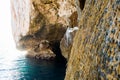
(8, 50)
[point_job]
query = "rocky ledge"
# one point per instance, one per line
(42, 51)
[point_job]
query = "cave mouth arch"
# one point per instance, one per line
(56, 49)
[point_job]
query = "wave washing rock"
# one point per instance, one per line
(36, 20)
(95, 53)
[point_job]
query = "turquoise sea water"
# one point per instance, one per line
(22, 68)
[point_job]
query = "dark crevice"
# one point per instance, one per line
(82, 4)
(56, 49)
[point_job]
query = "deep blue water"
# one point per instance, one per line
(22, 68)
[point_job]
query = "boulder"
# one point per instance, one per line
(43, 54)
(41, 51)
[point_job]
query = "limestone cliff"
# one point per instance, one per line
(95, 53)
(37, 20)
(94, 50)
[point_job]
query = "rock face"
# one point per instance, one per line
(67, 41)
(20, 18)
(36, 20)
(95, 53)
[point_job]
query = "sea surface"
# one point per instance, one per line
(18, 67)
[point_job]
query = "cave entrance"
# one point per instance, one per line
(56, 49)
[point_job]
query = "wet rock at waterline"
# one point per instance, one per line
(46, 54)
(41, 51)
(50, 34)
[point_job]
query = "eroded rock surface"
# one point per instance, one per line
(67, 41)
(95, 53)
(42, 51)
(36, 20)
(20, 18)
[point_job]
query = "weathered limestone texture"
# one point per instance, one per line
(73, 22)
(95, 53)
(42, 51)
(36, 20)
(20, 18)
(66, 9)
